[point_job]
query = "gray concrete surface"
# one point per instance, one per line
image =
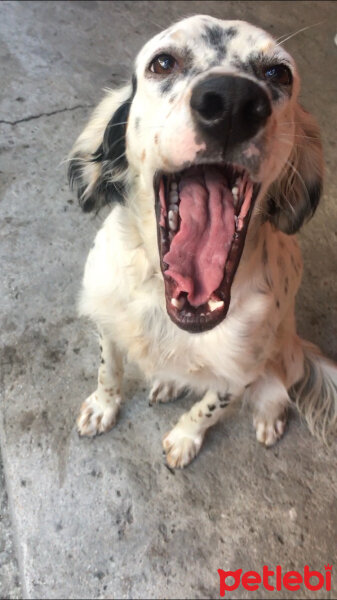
(9, 571)
(105, 518)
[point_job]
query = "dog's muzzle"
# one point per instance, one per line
(203, 211)
(229, 109)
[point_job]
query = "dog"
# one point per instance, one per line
(211, 167)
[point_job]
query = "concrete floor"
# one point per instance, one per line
(104, 518)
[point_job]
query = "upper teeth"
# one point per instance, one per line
(214, 304)
(173, 219)
(173, 196)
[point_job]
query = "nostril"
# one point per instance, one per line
(211, 106)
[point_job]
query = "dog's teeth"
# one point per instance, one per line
(178, 303)
(214, 304)
(173, 207)
(173, 220)
(235, 192)
(174, 185)
(173, 197)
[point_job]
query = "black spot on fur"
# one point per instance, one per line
(211, 407)
(237, 62)
(224, 400)
(277, 304)
(286, 284)
(102, 361)
(216, 37)
(166, 86)
(208, 414)
(111, 155)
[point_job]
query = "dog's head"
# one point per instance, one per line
(210, 133)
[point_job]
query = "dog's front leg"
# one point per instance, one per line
(270, 401)
(184, 441)
(99, 412)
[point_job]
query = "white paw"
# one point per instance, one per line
(97, 416)
(180, 448)
(163, 392)
(268, 432)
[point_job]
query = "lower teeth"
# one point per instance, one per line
(214, 304)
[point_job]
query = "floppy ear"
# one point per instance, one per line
(294, 196)
(97, 162)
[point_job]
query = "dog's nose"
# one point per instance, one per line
(230, 108)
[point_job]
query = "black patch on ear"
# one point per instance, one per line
(314, 191)
(111, 155)
(289, 218)
(216, 37)
(75, 175)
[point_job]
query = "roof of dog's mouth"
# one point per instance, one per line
(202, 218)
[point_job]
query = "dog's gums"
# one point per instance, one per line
(202, 217)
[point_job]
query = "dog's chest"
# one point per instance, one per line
(229, 355)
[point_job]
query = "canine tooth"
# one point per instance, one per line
(214, 304)
(173, 207)
(235, 192)
(173, 220)
(178, 303)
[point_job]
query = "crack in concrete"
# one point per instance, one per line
(46, 114)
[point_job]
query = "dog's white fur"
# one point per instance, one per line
(255, 351)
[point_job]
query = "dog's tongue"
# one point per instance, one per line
(199, 250)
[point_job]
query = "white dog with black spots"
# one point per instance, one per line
(211, 167)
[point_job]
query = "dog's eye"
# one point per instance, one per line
(279, 74)
(164, 64)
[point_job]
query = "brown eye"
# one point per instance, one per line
(279, 75)
(164, 64)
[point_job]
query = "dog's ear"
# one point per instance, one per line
(294, 196)
(97, 163)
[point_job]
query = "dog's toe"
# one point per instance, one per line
(97, 417)
(180, 449)
(163, 392)
(268, 432)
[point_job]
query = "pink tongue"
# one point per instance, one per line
(199, 250)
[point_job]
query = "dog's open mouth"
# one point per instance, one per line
(202, 217)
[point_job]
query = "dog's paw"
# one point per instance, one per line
(96, 416)
(269, 431)
(180, 448)
(163, 392)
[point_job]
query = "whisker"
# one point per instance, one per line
(288, 37)
(300, 177)
(306, 137)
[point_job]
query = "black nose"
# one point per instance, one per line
(230, 108)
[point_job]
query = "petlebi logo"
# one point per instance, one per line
(276, 579)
